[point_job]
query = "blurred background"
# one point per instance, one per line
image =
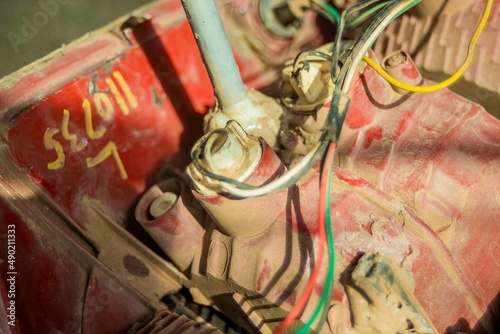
(30, 29)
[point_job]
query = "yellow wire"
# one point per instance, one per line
(450, 80)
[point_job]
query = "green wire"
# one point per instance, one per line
(363, 16)
(323, 305)
(334, 13)
(327, 293)
(329, 8)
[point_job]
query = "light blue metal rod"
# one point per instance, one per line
(207, 27)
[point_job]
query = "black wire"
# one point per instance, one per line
(340, 32)
(196, 162)
(336, 118)
(301, 54)
(358, 45)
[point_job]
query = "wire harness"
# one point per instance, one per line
(342, 77)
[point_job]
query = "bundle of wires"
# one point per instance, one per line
(242, 190)
(343, 78)
(391, 10)
(334, 125)
(325, 236)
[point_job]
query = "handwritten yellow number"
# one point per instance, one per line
(93, 134)
(52, 144)
(72, 138)
(126, 89)
(109, 149)
(118, 96)
(105, 110)
(104, 106)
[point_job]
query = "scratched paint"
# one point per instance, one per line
(371, 135)
(110, 137)
(442, 154)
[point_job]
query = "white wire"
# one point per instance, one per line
(296, 172)
(340, 32)
(285, 181)
(358, 57)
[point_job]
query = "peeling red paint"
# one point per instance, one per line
(264, 275)
(412, 182)
(270, 167)
(338, 295)
(318, 288)
(371, 135)
(358, 117)
(351, 180)
(169, 225)
(403, 124)
(410, 72)
(464, 176)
